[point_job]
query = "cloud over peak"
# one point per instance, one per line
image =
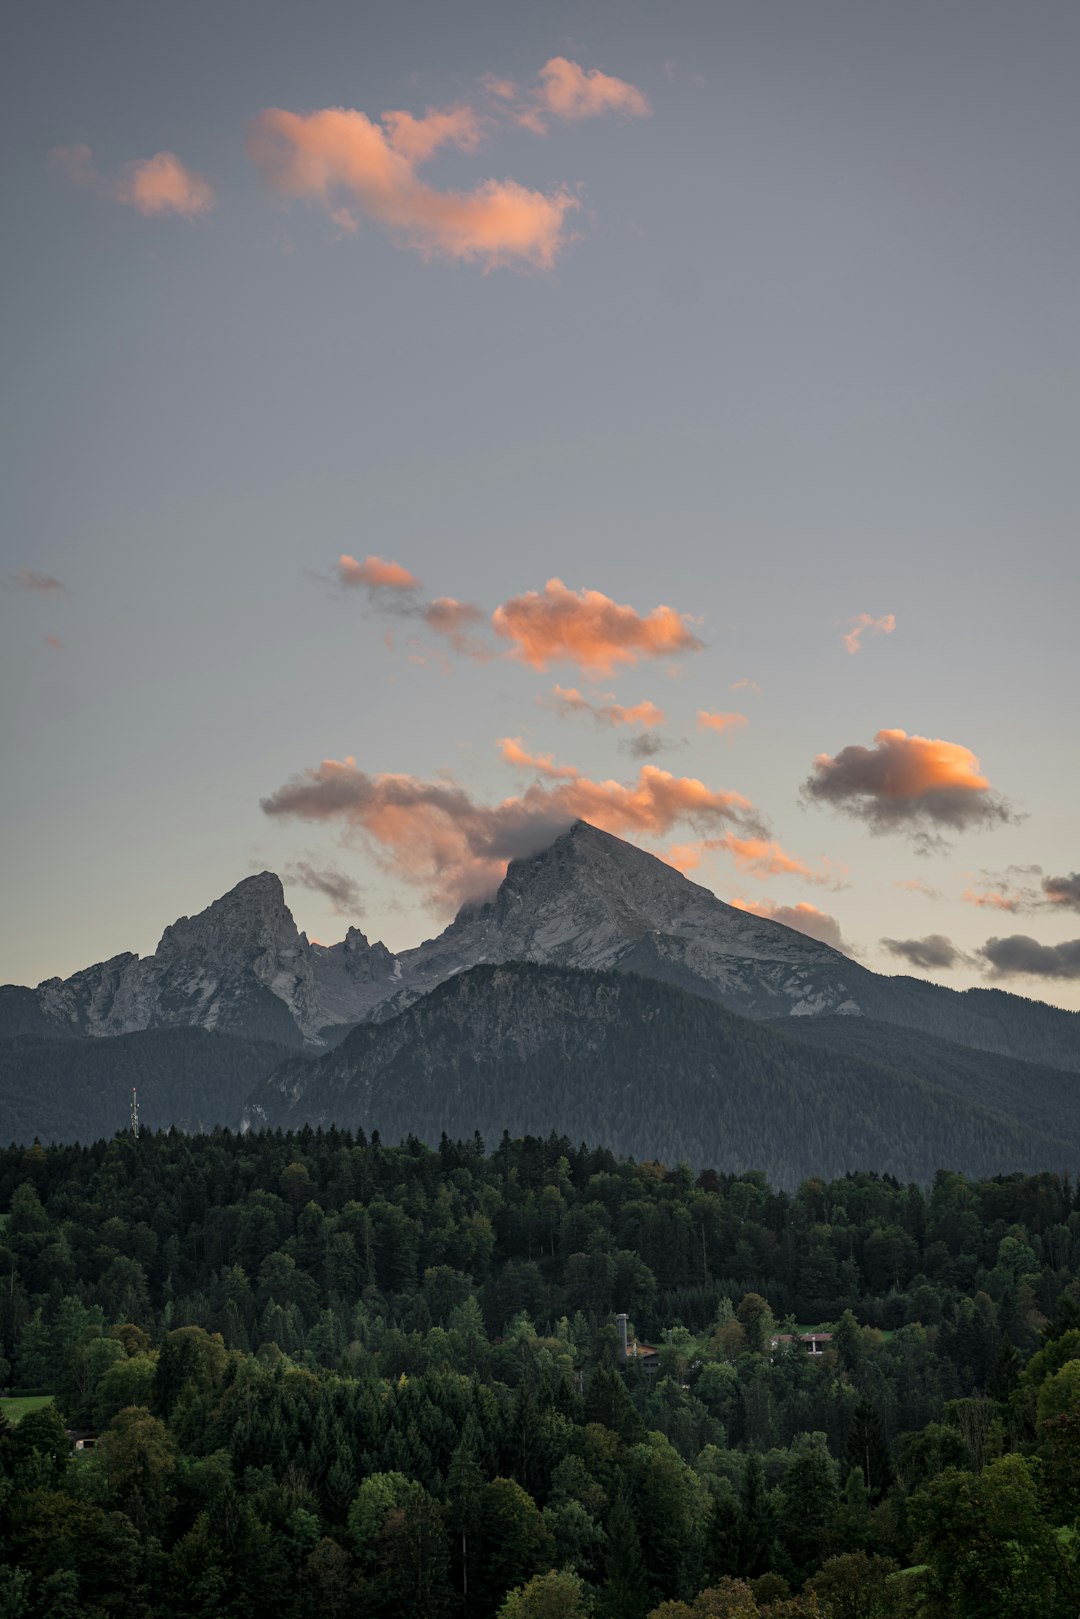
(803, 917)
(903, 781)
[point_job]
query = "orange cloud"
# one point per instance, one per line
(55, 642)
(30, 579)
(758, 856)
(321, 155)
(434, 835)
(161, 184)
(571, 93)
(865, 624)
(587, 628)
(746, 685)
(515, 753)
(914, 886)
(719, 722)
(568, 700)
(375, 574)
(903, 779)
(990, 900)
(803, 917)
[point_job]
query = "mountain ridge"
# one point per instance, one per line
(588, 900)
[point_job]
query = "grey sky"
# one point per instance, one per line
(813, 353)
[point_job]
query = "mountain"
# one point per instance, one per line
(62, 1089)
(657, 1072)
(240, 967)
(587, 901)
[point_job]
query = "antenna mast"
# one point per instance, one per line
(134, 1113)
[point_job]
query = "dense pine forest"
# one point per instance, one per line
(310, 1374)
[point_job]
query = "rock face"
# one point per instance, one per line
(590, 900)
(239, 967)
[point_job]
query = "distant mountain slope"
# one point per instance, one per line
(658, 1072)
(589, 900)
(79, 1090)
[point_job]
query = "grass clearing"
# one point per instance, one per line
(15, 1406)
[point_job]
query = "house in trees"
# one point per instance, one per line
(811, 1343)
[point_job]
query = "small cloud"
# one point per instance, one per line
(455, 621)
(570, 93)
(1020, 955)
(375, 574)
(587, 628)
(1063, 891)
(914, 885)
(746, 685)
(803, 917)
(719, 722)
(337, 886)
(757, 856)
(29, 579)
(568, 700)
(934, 953)
(55, 642)
(647, 745)
(161, 184)
(904, 780)
(865, 624)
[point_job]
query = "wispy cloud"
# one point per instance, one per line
(607, 712)
(756, 856)
(866, 624)
(55, 642)
(156, 185)
(343, 892)
(914, 885)
(29, 579)
(708, 721)
(569, 93)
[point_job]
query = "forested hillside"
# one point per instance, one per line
(331, 1377)
(72, 1089)
(658, 1072)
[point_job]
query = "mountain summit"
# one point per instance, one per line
(587, 901)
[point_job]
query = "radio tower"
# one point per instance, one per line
(134, 1113)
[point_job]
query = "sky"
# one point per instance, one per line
(424, 425)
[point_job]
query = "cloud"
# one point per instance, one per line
(514, 752)
(1063, 891)
(455, 620)
(915, 886)
(320, 156)
(1021, 955)
(865, 624)
(746, 685)
(903, 780)
(568, 700)
(338, 887)
(437, 837)
(570, 93)
(161, 184)
(375, 574)
(587, 628)
(992, 900)
(719, 722)
(30, 579)
(647, 745)
(935, 952)
(756, 855)
(803, 917)
(55, 642)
